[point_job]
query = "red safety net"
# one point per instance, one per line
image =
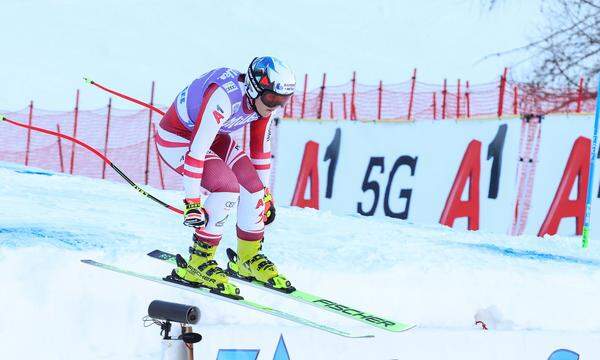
(129, 143)
(414, 100)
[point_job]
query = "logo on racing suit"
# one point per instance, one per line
(230, 87)
(237, 122)
(228, 74)
(218, 116)
(235, 107)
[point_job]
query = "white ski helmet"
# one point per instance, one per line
(271, 79)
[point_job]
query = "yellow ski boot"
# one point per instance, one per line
(202, 270)
(249, 264)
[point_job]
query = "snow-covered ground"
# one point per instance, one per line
(537, 295)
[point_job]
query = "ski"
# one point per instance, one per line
(241, 302)
(313, 300)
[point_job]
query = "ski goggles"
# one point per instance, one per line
(271, 99)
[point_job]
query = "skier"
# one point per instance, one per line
(193, 139)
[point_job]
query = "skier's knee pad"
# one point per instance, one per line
(217, 177)
(246, 175)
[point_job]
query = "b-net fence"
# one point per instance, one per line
(127, 136)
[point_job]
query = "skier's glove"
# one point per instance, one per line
(194, 214)
(269, 213)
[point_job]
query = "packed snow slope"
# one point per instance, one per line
(536, 295)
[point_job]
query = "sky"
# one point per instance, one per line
(48, 46)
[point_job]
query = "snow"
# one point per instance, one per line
(536, 295)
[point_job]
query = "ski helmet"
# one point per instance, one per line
(271, 79)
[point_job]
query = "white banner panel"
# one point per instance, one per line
(407, 170)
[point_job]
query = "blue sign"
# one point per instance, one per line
(233, 354)
(564, 354)
(281, 353)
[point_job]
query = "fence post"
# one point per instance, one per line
(501, 93)
(412, 93)
(458, 99)
(515, 100)
(29, 133)
(468, 99)
(444, 91)
(322, 97)
(379, 94)
(434, 106)
(353, 97)
(579, 95)
(331, 109)
(106, 136)
(147, 170)
(60, 153)
(304, 97)
(74, 132)
(345, 110)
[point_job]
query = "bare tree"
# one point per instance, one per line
(568, 44)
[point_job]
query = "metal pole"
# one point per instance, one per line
(468, 99)
(379, 94)
(412, 93)
(444, 91)
(74, 132)
(60, 153)
(353, 97)
(106, 136)
(29, 133)
(501, 93)
(322, 97)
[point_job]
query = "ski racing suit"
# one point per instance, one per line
(193, 139)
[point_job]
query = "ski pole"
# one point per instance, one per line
(123, 96)
(97, 153)
(588, 203)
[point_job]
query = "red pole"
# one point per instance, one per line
(379, 93)
(99, 154)
(304, 96)
(579, 95)
(149, 132)
(412, 93)
(158, 159)
(60, 153)
(106, 136)
(345, 110)
(74, 132)
(515, 100)
(434, 106)
(458, 99)
(353, 97)
(468, 100)
(501, 93)
(331, 109)
(444, 100)
(322, 97)
(292, 107)
(29, 133)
